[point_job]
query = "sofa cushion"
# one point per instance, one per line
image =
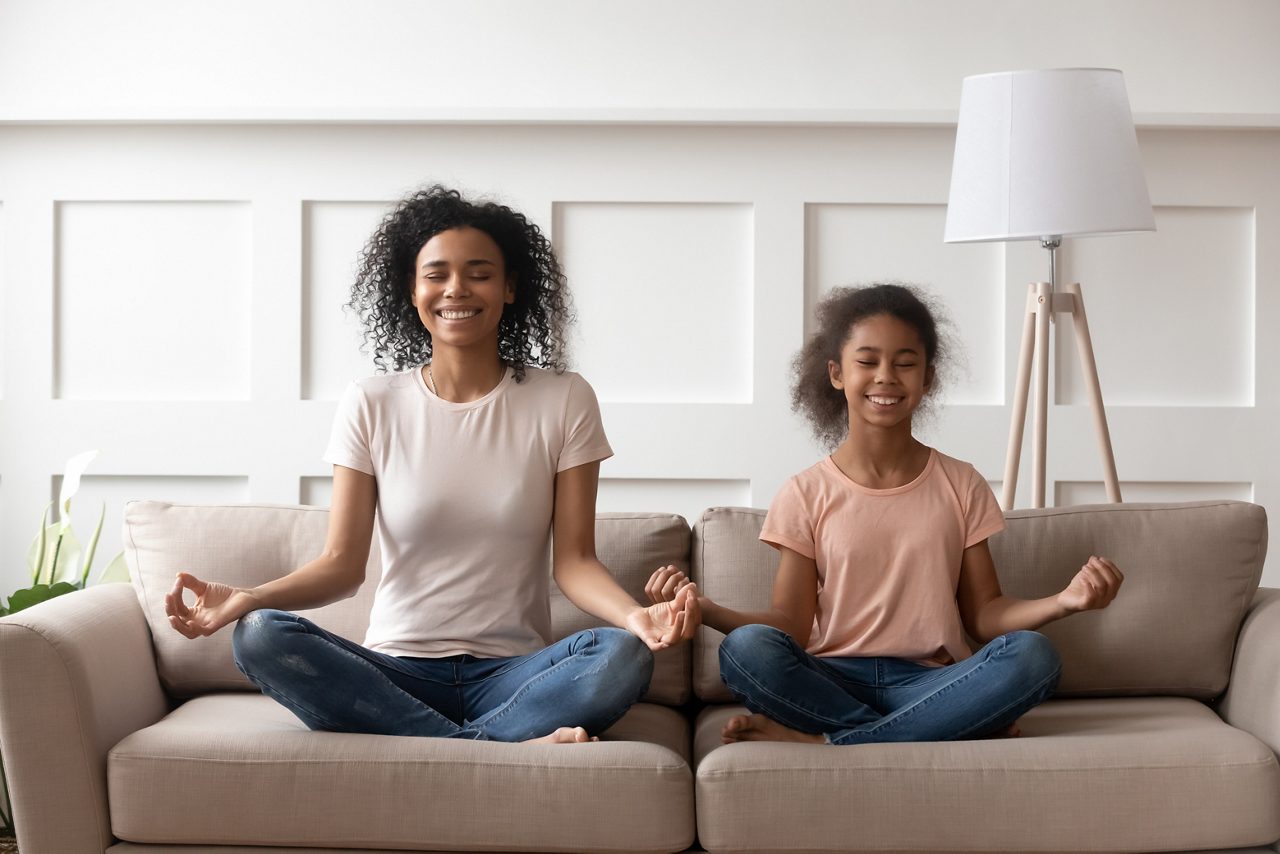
(247, 545)
(633, 545)
(1117, 774)
(1190, 571)
(238, 769)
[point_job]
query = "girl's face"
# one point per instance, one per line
(460, 288)
(882, 372)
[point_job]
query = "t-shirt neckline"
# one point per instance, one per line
(893, 490)
(436, 400)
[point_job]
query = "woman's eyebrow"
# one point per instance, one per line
(440, 262)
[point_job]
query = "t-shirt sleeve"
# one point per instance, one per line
(584, 439)
(350, 439)
(982, 515)
(789, 521)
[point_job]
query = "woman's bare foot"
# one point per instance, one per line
(564, 735)
(761, 728)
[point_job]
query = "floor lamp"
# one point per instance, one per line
(1043, 155)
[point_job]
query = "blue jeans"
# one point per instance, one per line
(868, 700)
(589, 679)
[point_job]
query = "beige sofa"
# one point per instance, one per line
(119, 735)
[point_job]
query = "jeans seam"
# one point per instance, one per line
(985, 723)
(766, 692)
(524, 689)
(903, 714)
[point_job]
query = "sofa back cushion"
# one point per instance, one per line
(1190, 571)
(247, 545)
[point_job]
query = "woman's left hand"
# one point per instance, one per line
(667, 624)
(1094, 586)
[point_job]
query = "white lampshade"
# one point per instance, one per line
(1046, 154)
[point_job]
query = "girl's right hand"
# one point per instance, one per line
(664, 584)
(215, 606)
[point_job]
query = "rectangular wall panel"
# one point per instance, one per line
(115, 491)
(664, 298)
(851, 245)
(334, 233)
(1067, 492)
(685, 497)
(1171, 313)
(153, 300)
(315, 491)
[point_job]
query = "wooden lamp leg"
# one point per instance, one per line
(1020, 389)
(1089, 368)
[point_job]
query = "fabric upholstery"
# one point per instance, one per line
(76, 676)
(263, 778)
(247, 545)
(1252, 701)
(1116, 774)
(1190, 572)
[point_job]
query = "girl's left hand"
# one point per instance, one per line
(665, 583)
(1094, 586)
(667, 624)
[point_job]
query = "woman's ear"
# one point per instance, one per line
(511, 290)
(833, 374)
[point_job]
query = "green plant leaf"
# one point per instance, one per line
(28, 596)
(116, 570)
(35, 562)
(93, 547)
(67, 554)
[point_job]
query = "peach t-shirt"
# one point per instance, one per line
(888, 559)
(465, 497)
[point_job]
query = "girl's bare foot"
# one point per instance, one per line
(1011, 731)
(761, 728)
(564, 735)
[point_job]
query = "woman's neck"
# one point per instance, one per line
(461, 377)
(881, 459)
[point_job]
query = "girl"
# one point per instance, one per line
(473, 453)
(884, 562)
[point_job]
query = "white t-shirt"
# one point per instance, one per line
(465, 499)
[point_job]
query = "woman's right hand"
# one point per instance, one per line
(215, 606)
(664, 584)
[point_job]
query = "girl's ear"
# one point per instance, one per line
(833, 374)
(928, 377)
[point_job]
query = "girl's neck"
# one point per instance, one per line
(881, 459)
(460, 377)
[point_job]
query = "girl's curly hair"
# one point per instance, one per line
(533, 329)
(812, 394)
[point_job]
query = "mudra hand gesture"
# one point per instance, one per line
(1093, 587)
(215, 606)
(667, 621)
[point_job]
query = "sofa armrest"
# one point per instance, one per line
(77, 674)
(1252, 700)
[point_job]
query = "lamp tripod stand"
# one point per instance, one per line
(1044, 302)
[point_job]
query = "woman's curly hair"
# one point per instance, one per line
(533, 329)
(812, 394)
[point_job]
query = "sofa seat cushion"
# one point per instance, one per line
(239, 769)
(1131, 774)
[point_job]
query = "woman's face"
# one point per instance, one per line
(460, 287)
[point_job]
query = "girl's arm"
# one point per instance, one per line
(987, 613)
(795, 598)
(586, 581)
(336, 574)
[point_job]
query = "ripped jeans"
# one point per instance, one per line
(588, 679)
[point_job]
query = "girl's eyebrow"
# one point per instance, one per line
(869, 349)
(439, 262)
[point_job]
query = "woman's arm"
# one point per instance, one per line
(336, 574)
(795, 598)
(586, 581)
(987, 613)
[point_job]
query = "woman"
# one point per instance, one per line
(478, 452)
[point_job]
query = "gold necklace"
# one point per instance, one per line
(431, 378)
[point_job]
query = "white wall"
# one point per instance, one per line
(170, 292)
